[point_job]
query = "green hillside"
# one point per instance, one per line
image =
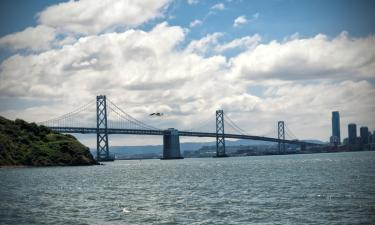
(28, 144)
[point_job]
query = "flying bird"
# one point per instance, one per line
(156, 114)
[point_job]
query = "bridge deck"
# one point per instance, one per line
(88, 130)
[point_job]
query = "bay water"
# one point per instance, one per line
(334, 188)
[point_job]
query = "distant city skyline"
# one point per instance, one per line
(365, 135)
(259, 61)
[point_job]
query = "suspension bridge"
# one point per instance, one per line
(111, 119)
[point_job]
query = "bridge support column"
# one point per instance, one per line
(281, 136)
(102, 151)
(220, 137)
(171, 144)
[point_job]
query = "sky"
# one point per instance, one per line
(259, 61)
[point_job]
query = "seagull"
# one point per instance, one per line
(156, 114)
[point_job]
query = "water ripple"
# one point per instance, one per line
(334, 188)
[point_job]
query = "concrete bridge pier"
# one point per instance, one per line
(171, 144)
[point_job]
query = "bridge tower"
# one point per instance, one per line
(171, 144)
(281, 135)
(220, 137)
(102, 151)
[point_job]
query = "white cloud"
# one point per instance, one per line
(302, 79)
(76, 18)
(256, 16)
(203, 45)
(239, 21)
(195, 23)
(96, 16)
(306, 108)
(134, 66)
(66, 40)
(244, 42)
(218, 6)
(210, 44)
(32, 38)
(310, 58)
(192, 2)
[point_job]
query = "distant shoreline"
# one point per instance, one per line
(13, 166)
(31, 166)
(232, 156)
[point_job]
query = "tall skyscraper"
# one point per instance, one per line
(369, 137)
(352, 133)
(364, 134)
(336, 127)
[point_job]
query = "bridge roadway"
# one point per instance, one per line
(88, 130)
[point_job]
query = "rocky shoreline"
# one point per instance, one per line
(25, 144)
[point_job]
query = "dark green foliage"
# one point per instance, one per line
(23, 143)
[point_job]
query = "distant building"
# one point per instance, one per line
(334, 140)
(352, 133)
(369, 137)
(345, 141)
(336, 127)
(364, 135)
